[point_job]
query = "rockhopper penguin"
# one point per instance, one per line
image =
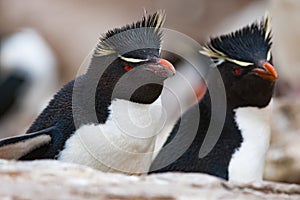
(244, 62)
(106, 118)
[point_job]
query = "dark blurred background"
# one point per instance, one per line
(65, 31)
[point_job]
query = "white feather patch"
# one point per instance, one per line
(247, 162)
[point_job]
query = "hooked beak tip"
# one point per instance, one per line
(268, 72)
(162, 68)
(167, 66)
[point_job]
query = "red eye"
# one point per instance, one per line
(237, 71)
(128, 68)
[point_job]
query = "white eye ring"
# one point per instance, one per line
(133, 60)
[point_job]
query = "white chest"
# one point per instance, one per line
(124, 143)
(248, 161)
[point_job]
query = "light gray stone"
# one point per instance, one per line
(57, 180)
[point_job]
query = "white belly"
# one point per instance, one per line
(124, 143)
(247, 162)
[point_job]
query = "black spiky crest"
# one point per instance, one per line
(138, 35)
(245, 46)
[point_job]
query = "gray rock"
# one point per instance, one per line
(57, 180)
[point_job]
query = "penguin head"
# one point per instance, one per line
(244, 60)
(134, 70)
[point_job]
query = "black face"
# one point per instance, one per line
(245, 63)
(133, 83)
(244, 87)
(136, 76)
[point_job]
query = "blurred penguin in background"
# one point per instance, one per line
(28, 78)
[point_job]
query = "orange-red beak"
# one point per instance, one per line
(200, 91)
(267, 72)
(162, 68)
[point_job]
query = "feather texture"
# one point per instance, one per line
(243, 47)
(146, 32)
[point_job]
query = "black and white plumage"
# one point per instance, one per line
(244, 61)
(105, 117)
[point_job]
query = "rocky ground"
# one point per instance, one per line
(56, 180)
(283, 157)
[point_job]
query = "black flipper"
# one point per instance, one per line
(19, 146)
